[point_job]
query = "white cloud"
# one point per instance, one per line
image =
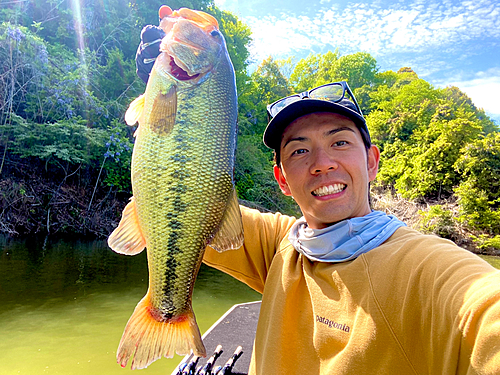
(369, 27)
(484, 91)
(422, 35)
(221, 4)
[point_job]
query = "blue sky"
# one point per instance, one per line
(444, 42)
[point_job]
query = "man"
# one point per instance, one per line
(348, 290)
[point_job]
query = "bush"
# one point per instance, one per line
(23, 63)
(254, 179)
(476, 210)
(117, 159)
(485, 242)
(438, 221)
(70, 143)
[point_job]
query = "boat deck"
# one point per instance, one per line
(235, 328)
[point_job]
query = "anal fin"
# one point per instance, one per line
(230, 233)
(127, 238)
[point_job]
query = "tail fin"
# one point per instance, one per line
(148, 339)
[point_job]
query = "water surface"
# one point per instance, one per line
(64, 305)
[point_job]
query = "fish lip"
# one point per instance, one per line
(327, 185)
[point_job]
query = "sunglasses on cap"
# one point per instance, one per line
(333, 92)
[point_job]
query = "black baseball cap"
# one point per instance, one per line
(325, 98)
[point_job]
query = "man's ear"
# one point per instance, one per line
(373, 160)
(280, 178)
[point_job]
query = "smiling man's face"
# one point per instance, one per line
(326, 168)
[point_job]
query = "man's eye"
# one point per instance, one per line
(340, 143)
(299, 151)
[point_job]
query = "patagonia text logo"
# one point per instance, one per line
(332, 324)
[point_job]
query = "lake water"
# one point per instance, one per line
(64, 305)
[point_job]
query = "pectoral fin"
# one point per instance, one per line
(127, 238)
(134, 111)
(162, 117)
(230, 234)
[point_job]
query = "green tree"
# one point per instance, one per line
(237, 36)
(479, 191)
(267, 85)
(429, 164)
(254, 180)
(359, 70)
(115, 84)
(421, 132)
(315, 70)
(253, 172)
(24, 64)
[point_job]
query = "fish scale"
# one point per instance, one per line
(182, 180)
(172, 230)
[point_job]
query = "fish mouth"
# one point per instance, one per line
(328, 190)
(178, 73)
(191, 39)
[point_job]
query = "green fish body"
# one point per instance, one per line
(182, 180)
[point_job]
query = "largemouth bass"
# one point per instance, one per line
(182, 180)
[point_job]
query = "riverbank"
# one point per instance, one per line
(74, 203)
(57, 203)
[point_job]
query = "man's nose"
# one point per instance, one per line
(323, 162)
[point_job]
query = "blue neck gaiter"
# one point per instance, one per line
(345, 240)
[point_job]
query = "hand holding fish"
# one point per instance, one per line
(148, 50)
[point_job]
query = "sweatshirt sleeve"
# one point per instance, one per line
(442, 305)
(480, 326)
(263, 234)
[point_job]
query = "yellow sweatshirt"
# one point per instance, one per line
(417, 304)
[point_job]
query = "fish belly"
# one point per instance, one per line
(181, 186)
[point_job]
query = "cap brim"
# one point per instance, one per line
(275, 128)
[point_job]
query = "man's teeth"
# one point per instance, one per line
(331, 189)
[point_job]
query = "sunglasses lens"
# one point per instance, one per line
(278, 106)
(333, 92)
